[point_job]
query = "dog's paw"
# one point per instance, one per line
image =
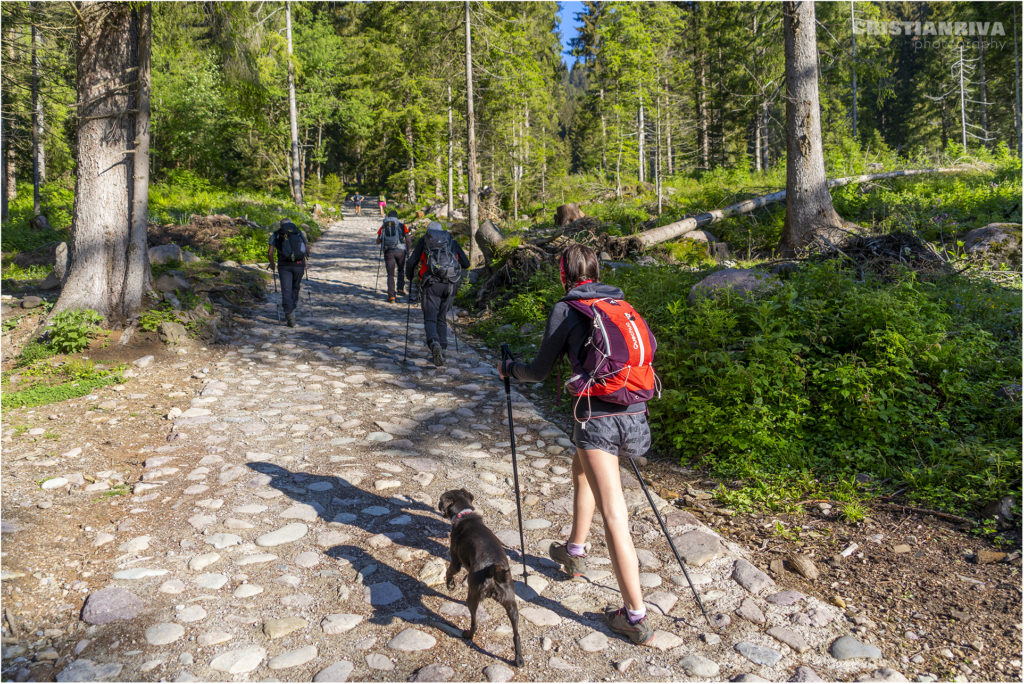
(449, 582)
(466, 634)
(520, 662)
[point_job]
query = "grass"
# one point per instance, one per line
(42, 383)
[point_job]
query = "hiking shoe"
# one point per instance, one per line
(435, 349)
(573, 565)
(290, 320)
(401, 291)
(391, 300)
(640, 633)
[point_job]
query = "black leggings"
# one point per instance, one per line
(394, 259)
(291, 277)
(437, 301)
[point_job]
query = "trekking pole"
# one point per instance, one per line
(380, 258)
(506, 354)
(408, 311)
(277, 302)
(669, 537)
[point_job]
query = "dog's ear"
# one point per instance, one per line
(467, 494)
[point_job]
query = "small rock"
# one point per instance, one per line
(433, 673)
(759, 655)
(299, 656)
(790, 637)
(84, 670)
(498, 673)
(340, 623)
(164, 633)
(593, 642)
(412, 639)
(985, 556)
(750, 578)
(285, 535)
(239, 660)
(803, 565)
(335, 672)
(279, 627)
(190, 613)
(805, 674)
(749, 611)
(901, 548)
(109, 605)
(699, 666)
(848, 648)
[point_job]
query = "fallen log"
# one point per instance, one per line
(690, 223)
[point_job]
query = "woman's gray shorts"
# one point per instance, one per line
(620, 435)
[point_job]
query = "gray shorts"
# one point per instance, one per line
(620, 435)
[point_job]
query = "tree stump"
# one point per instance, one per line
(567, 213)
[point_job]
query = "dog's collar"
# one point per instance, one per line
(462, 513)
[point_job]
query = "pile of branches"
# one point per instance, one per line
(887, 255)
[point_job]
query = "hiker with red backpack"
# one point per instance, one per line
(610, 349)
(395, 240)
(441, 261)
(292, 249)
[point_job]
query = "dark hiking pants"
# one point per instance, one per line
(437, 301)
(291, 276)
(394, 259)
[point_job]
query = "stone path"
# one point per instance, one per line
(294, 535)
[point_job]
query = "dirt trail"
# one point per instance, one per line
(283, 523)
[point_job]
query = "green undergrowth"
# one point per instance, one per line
(68, 332)
(914, 384)
(45, 382)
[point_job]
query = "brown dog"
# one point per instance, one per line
(475, 548)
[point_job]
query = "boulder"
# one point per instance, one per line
(996, 242)
(173, 333)
(188, 257)
(161, 254)
(61, 260)
(567, 213)
(170, 281)
(743, 281)
(318, 210)
(40, 223)
(438, 210)
(50, 282)
(31, 302)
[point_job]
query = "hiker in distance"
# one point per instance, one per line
(292, 250)
(395, 241)
(610, 420)
(382, 203)
(357, 201)
(440, 260)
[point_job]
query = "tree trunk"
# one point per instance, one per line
(764, 136)
(757, 142)
(703, 145)
(604, 137)
(642, 162)
(983, 87)
(683, 226)
(38, 159)
(475, 258)
(1016, 83)
(451, 146)
(963, 101)
(319, 151)
(296, 173)
(809, 210)
(853, 69)
(109, 265)
(668, 137)
(438, 189)
(657, 154)
(410, 186)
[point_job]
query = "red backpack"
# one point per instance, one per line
(615, 365)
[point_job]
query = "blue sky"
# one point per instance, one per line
(566, 12)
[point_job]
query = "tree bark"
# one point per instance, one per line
(410, 186)
(809, 210)
(1016, 84)
(853, 69)
(690, 223)
(109, 266)
(641, 161)
(38, 159)
(963, 101)
(700, 100)
(604, 137)
(296, 173)
(983, 88)
(451, 147)
(475, 258)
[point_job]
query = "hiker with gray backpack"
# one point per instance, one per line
(292, 249)
(395, 240)
(441, 261)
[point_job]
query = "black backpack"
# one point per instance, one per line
(392, 235)
(442, 263)
(290, 244)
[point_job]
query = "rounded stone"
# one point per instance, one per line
(335, 672)
(109, 605)
(299, 656)
(412, 639)
(285, 535)
(239, 660)
(164, 633)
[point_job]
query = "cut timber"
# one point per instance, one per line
(690, 223)
(567, 213)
